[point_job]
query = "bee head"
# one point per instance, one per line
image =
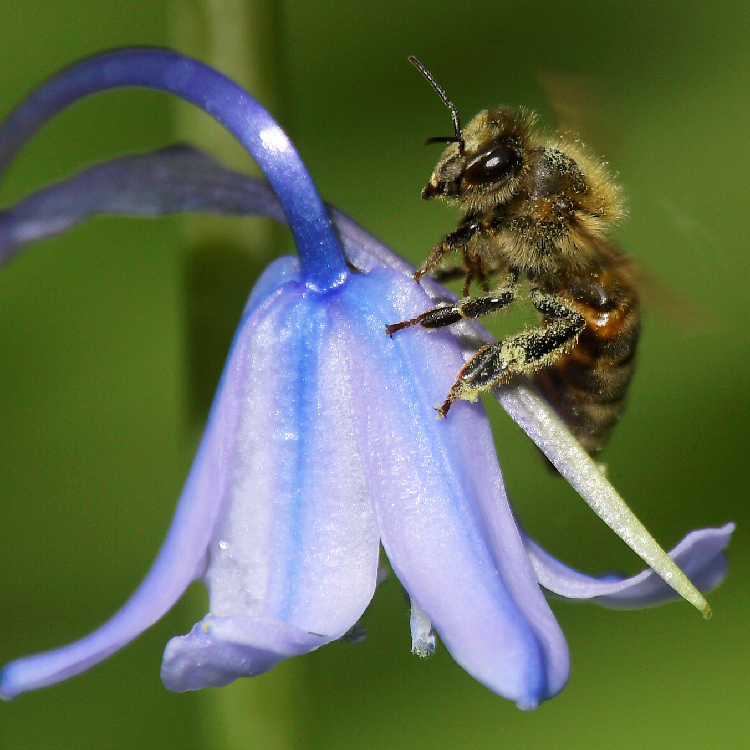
(484, 168)
(482, 163)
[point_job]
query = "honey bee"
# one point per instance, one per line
(536, 212)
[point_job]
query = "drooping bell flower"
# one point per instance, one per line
(322, 442)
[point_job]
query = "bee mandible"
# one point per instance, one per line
(537, 209)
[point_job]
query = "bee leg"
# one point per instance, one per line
(468, 307)
(451, 242)
(481, 276)
(474, 272)
(446, 275)
(496, 364)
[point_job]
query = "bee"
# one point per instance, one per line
(537, 209)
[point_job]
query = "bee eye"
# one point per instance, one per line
(493, 166)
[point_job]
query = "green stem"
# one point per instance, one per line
(241, 38)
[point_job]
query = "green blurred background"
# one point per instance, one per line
(110, 338)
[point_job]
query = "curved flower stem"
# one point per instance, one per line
(322, 262)
(242, 39)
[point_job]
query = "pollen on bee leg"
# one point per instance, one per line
(459, 390)
(422, 632)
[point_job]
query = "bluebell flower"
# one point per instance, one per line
(322, 442)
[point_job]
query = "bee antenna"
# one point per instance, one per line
(458, 137)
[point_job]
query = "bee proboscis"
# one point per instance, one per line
(536, 212)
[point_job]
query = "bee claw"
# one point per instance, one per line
(443, 410)
(393, 327)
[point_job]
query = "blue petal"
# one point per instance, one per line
(436, 486)
(700, 555)
(218, 650)
(296, 544)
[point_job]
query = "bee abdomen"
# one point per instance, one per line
(588, 386)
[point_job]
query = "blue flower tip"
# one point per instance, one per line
(219, 650)
(9, 684)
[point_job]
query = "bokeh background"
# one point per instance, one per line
(111, 336)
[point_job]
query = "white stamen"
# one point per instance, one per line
(422, 634)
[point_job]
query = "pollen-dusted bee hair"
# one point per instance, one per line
(537, 209)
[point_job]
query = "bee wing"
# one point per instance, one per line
(683, 312)
(687, 315)
(580, 106)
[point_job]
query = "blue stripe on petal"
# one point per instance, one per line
(296, 544)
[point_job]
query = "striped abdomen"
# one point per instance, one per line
(588, 386)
